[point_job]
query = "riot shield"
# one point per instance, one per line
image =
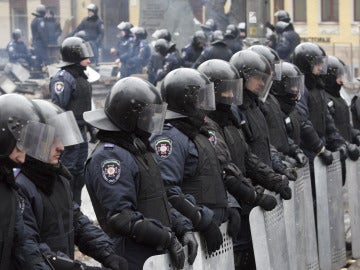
(353, 187)
(221, 259)
(330, 214)
(269, 237)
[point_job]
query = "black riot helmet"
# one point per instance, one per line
(231, 31)
(310, 58)
(139, 32)
(187, 92)
(270, 54)
(199, 39)
(20, 125)
(337, 73)
(93, 8)
(227, 82)
(282, 15)
(74, 50)
(40, 10)
(125, 26)
(288, 86)
(16, 34)
(210, 25)
(131, 104)
(255, 71)
(161, 46)
(281, 26)
(162, 33)
(64, 123)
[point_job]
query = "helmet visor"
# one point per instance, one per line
(34, 138)
(202, 97)
(151, 118)
(259, 83)
(294, 86)
(86, 50)
(320, 65)
(229, 92)
(66, 128)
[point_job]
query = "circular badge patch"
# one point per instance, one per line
(111, 170)
(163, 147)
(59, 87)
(212, 137)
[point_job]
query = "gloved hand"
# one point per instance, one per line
(343, 152)
(353, 151)
(176, 251)
(115, 262)
(290, 173)
(213, 237)
(326, 157)
(234, 222)
(189, 240)
(265, 201)
(301, 159)
(357, 140)
(285, 192)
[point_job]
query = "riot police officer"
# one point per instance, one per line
(157, 60)
(56, 222)
(162, 33)
(94, 29)
(287, 39)
(192, 51)
(237, 160)
(71, 91)
(232, 38)
(17, 49)
(19, 134)
(39, 38)
(186, 157)
(124, 181)
(172, 61)
(216, 50)
(124, 42)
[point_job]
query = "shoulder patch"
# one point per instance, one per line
(163, 148)
(212, 138)
(59, 87)
(111, 170)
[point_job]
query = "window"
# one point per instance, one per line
(357, 10)
(330, 10)
(299, 10)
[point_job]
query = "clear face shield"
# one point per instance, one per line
(229, 92)
(202, 97)
(34, 138)
(342, 74)
(67, 131)
(259, 83)
(294, 86)
(86, 50)
(151, 118)
(319, 65)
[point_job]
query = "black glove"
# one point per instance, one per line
(176, 251)
(213, 237)
(326, 157)
(353, 151)
(265, 201)
(189, 240)
(343, 152)
(301, 159)
(285, 192)
(234, 222)
(357, 140)
(290, 173)
(115, 262)
(270, 26)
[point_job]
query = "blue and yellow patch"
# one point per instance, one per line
(163, 147)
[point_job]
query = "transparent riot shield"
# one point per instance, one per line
(353, 187)
(330, 214)
(221, 259)
(269, 237)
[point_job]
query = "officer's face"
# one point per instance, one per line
(85, 62)
(340, 80)
(90, 13)
(317, 69)
(17, 155)
(55, 153)
(255, 84)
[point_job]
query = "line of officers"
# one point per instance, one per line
(197, 153)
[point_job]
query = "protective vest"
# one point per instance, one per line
(340, 113)
(293, 126)
(57, 229)
(206, 185)
(317, 110)
(7, 222)
(277, 132)
(236, 143)
(82, 102)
